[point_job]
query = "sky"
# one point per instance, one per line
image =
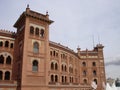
(76, 23)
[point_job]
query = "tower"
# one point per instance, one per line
(31, 50)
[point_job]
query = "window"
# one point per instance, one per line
(52, 66)
(6, 44)
(1, 59)
(83, 63)
(65, 68)
(65, 79)
(37, 31)
(72, 79)
(62, 79)
(1, 75)
(7, 75)
(95, 80)
(62, 67)
(94, 73)
(56, 66)
(8, 60)
(94, 64)
(35, 65)
(52, 78)
(56, 78)
(84, 72)
(42, 33)
(51, 53)
(85, 81)
(1, 44)
(31, 30)
(36, 47)
(11, 45)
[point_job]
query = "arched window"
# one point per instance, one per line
(7, 75)
(65, 68)
(50, 53)
(72, 79)
(36, 47)
(94, 64)
(52, 66)
(8, 60)
(84, 72)
(42, 33)
(1, 59)
(35, 65)
(95, 80)
(85, 81)
(31, 30)
(56, 66)
(6, 44)
(1, 44)
(37, 31)
(94, 73)
(1, 75)
(53, 53)
(62, 79)
(83, 63)
(56, 78)
(11, 45)
(65, 79)
(62, 67)
(52, 78)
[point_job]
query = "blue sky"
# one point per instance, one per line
(76, 22)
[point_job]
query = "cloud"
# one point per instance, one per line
(113, 62)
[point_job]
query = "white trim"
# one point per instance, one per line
(7, 38)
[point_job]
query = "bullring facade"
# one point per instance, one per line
(29, 61)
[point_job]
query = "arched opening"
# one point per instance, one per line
(65, 68)
(62, 67)
(72, 79)
(36, 47)
(95, 80)
(56, 66)
(94, 64)
(42, 33)
(53, 53)
(1, 75)
(1, 44)
(56, 78)
(62, 79)
(83, 63)
(31, 30)
(7, 75)
(50, 53)
(6, 44)
(35, 65)
(65, 79)
(8, 60)
(84, 73)
(52, 66)
(11, 45)
(1, 59)
(94, 73)
(85, 81)
(37, 31)
(52, 78)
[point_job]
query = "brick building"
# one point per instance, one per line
(30, 61)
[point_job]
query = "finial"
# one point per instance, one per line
(78, 48)
(27, 5)
(46, 12)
